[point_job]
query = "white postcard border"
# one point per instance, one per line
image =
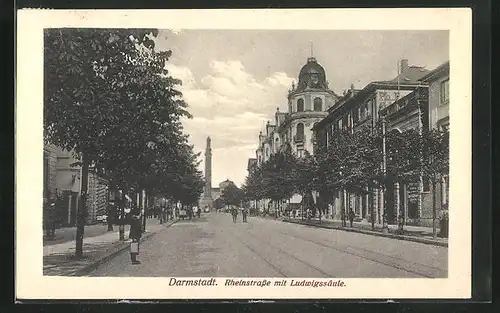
(30, 282)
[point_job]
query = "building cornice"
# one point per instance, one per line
(440, 71)
(295, 93)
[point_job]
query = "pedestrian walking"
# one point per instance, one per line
(234, 213)
(244, 214)
(49, 219)
(351, 216)
(161, 217)
(135, 234)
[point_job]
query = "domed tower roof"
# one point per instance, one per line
(312, 75)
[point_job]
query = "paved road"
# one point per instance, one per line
(215, 246)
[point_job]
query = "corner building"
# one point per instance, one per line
(308, 103)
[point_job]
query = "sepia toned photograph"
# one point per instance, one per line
(246, 157)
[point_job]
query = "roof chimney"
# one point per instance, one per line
(404, 66)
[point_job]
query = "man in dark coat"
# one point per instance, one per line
(135, 233)
(351, 216)
(234, 213)
(343, 217)
(245, 213)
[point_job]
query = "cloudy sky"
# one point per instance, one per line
(233, 81)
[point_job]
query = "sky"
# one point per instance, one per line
(234, 80)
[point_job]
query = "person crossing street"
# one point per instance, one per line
(244, 213)
(234, 213)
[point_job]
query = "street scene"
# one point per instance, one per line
(241, 153)
(214, 246)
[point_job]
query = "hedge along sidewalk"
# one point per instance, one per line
(58, 260)
(411, 236)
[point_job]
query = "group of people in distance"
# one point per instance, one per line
(244, 213)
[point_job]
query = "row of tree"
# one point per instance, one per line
(353, 162)
(109, 98)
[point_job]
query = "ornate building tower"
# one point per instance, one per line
(308, 103)
(207, 200)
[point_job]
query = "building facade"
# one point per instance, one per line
(62, 185)
(412, 100)
(307, 103)
(409, 198)
(439, 118)
(439, 96)
(359, 109)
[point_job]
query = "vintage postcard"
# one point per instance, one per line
(243, 154)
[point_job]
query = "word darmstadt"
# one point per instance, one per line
(192, 282)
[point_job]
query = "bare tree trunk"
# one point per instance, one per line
(143, 204)
(82, 212)
(319, 208)
(434, 233)
(372, 202)
(109, 220)
(123, 203)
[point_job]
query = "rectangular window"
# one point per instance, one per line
(369, 107)
(444, 92)
(363, 112)
(339, 124)
(426, 184)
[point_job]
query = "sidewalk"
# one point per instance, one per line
(58, 259)
(411, 233)
(69, 233)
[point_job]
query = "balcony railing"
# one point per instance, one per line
(298, 138)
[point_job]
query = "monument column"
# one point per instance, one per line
(207, 200)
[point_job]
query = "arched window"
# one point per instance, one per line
(276, 144)
(299, 135)
(318, 104)
(300, 105)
